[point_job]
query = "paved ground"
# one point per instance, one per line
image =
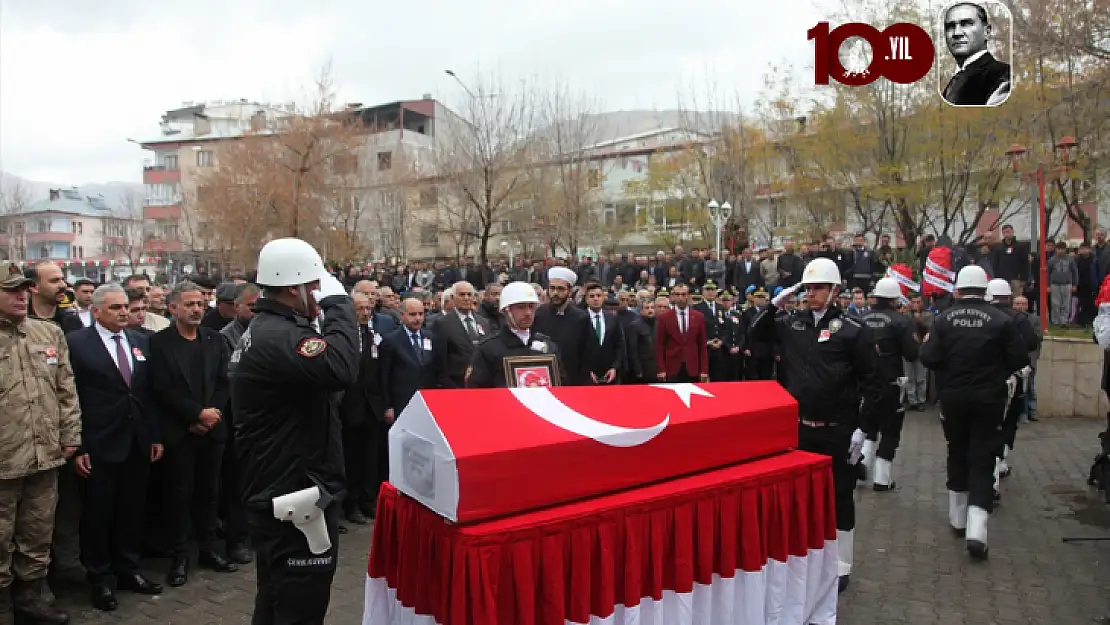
(910, 570)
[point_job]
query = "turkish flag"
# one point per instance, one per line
(476, 454)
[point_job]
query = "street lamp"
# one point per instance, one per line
(720, 213)
(1017, 153)
(509, 250)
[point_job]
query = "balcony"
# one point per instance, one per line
(41, 237)
(159, 245)
(160, 174)
(162, 212)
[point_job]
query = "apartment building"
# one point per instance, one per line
(83, 234)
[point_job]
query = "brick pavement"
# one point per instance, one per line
(909, 567)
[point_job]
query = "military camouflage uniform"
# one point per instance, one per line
(39, 415)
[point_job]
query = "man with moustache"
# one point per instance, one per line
(639, 351)
(188, 367)
(365, 433)
(516, 337)
(980, 79)
(47, 291)
(566, 324)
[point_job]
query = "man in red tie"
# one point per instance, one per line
(680, 343)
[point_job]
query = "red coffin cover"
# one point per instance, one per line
(476, 454)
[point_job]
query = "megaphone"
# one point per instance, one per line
(300, 509)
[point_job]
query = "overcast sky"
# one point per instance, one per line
(80, 77)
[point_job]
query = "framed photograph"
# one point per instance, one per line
(974, 45)
(532, 371)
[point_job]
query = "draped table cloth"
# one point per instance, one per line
(750, 544)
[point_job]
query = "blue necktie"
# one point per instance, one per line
(416, 347)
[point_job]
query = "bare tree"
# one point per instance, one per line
(485, 165)
(124, 233)
(14, 199)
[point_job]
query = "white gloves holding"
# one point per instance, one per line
(786, 294)
(855, 450)
(329, 286)
(1025, 371)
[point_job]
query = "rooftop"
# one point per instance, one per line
(71, 202)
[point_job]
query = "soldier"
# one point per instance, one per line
(894, 341)
(716, 331)
(518, 304)
(41, 430)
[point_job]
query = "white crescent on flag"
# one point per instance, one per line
(543, 403)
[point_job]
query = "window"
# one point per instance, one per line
(593, 179)
(204, 194)
(385, 161)
(205, 158)
(169, 232)
(80, 252)
(170, 162)
(429, 234)
(76, 227)
(44, 226)
(344, 164)
(429, 197)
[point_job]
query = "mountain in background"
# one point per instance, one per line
(113, 192)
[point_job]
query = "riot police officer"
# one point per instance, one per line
(829, 359)
(894, 341)
(1000, 296)
(287, 427)
(518, 304)
(972, 349)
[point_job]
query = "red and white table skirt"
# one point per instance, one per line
(751, 544)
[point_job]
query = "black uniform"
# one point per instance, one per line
(829, 365)
(714, 329)
(894, 341)
(972, 349)
(638, 346)
(1028, 335)
(288, 434)
(487, 368)
(759, 361)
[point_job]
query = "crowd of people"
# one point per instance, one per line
(137, 412)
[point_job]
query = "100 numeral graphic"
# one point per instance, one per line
(902, 53)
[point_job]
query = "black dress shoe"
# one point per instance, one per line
(369, 509)
(882, 488)
(239, 554)
(138, 584)
(103, 598)
(355, 516)
(342, 529)
(216, 562)
(179, 571)
(842, 583)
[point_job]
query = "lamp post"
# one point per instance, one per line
(1017, 153)
(720, 213)
(508, 249)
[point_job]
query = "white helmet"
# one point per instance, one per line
(971, 277)
(887, 288)
(999, 288)
(821, 271)
(518, 293)
(289, 262)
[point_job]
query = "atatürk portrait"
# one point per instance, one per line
(980, 79)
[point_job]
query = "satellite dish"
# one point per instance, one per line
(188, 269)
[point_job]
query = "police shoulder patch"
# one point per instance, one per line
(312, 347)
(851, 321)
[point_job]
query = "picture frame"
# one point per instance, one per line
(532, 371)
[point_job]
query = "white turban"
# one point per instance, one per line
(562, 273)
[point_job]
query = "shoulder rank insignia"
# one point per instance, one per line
(312, 347)
(835, 325)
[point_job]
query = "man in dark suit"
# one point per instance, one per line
(746, 272)
(567, 325)
(189, 371)
(121, 439)
(980, 80)
(681, 353)
(456, 335)
(605, 355)
(716, 332)
(408, 360)
(365, 453)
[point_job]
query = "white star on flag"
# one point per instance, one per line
(684, 391)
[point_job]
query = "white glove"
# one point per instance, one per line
(855, 450)
(786, 294)
(329, 286)
(1025, 371)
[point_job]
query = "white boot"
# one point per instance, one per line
(882, 480)
(845, 548)
(957, 511)
(869, 447)
(1004, 464)
(977, 532)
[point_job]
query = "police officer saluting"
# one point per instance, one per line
(516, 338)
(829, 359)
(894, 341)
(973, 348)
(288, 430)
